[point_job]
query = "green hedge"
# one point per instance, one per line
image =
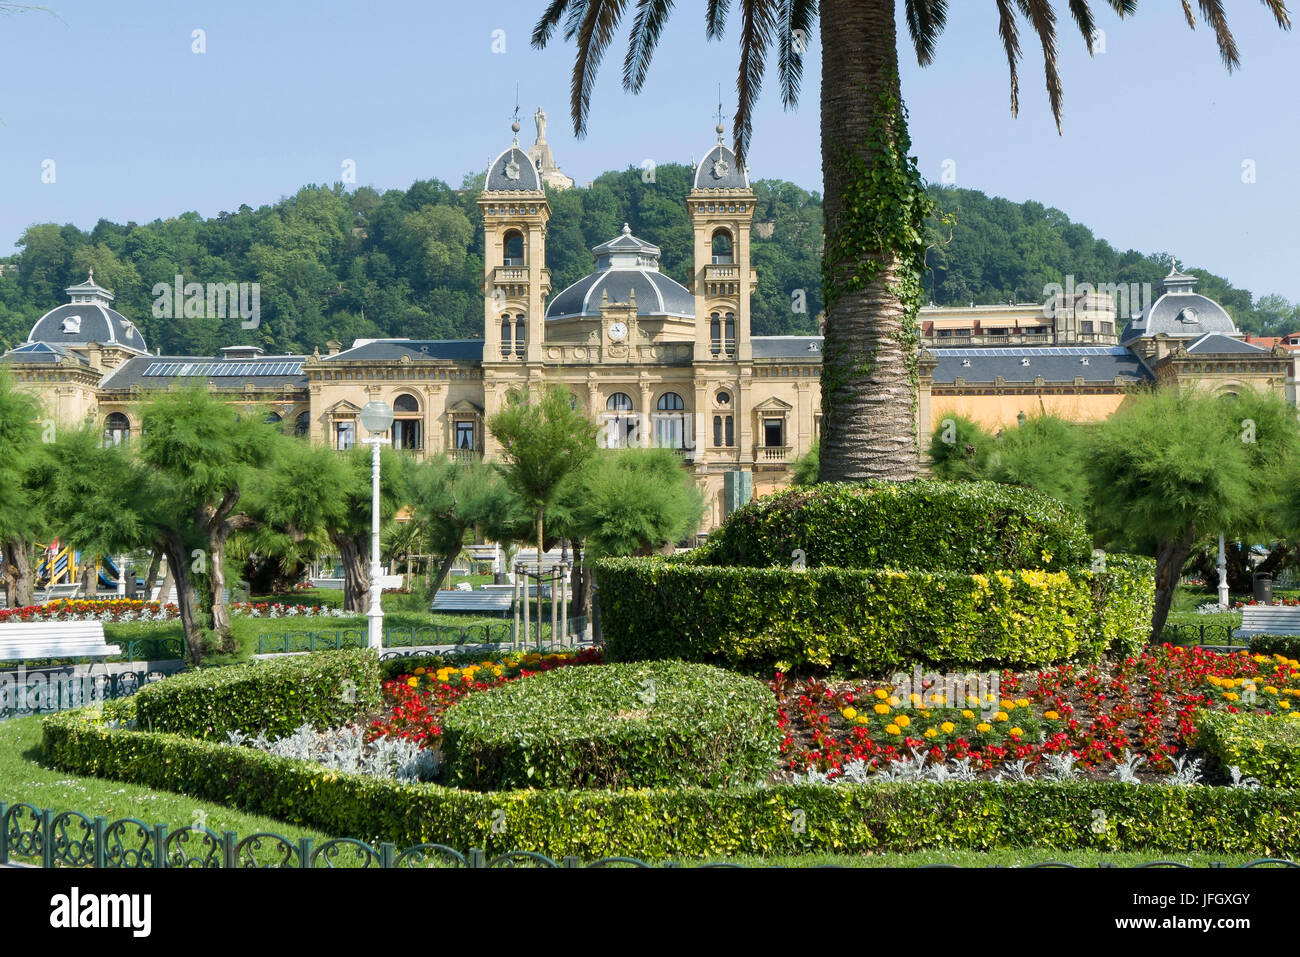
(1288, 645)
(657, 724)
(1123, 599)
(692, 822)
(921, 525)
(865, 621)
(1264, 747)
(275, 695)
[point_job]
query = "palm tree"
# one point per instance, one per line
(874, 205)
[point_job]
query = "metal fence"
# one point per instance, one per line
(23, 694)
(1211, 635)
(41, 837)
(478, 633)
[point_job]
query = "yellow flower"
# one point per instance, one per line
(973, 701)
(1051, 715)
(893, 729)
(1284, 703)
(983, 727)
(902, 721)
(413, 682)
(850, 713)
(948, 727)
(1016, 732)
(931, 732)
(1231, 696)
(915, 698)
(882, 709)
(1007, 705)
(938, 698)
(1269, 689)
(1000, 716)
(894, 701)
(925, 713)
(882, 694)
(863, 718)
(968, 713)
(419, 671)
(1022, 702)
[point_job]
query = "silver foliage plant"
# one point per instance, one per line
(345, 749)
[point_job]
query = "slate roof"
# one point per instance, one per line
(499, 178)
(158, 372)
(43, 352)
(786, 347)
(624, 265)
(719, 170)
(460, 350)
(1217, 344)
(89, 322)
(1054, 363)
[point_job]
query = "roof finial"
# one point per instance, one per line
(720, 128)
(515, 125)
(92, 274)
(1173, 265)
(627, 230)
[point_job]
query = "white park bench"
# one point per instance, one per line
(479, 602)
(55, 592)
(34, 640)
(1268, 620)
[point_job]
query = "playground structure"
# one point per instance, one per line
(64, 565)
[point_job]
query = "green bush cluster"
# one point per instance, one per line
(656, 824)
(275, 695)
(866, 621)
(1123, 598)
(1288, 645)
(645, 724)
(921, 525)
(1261, 746)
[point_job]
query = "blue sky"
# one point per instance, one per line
(141, 127)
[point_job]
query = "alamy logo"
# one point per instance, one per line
(1129, 299)
(208, 300)
(74, 910)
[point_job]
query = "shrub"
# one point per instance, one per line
(654, 824)
(632, 725)
(1264, 747)
(1288, 645)
(274, 696)
(864, 621)
(921, 525)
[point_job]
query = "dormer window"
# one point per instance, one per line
(72, 324)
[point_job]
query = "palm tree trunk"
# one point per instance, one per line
(874, 250)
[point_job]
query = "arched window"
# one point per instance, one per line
(117, 429)
(274, 418)
(619, 402)
(514, 241)
(670, 402)
(671, 424)
(406, 432)
(302, 425)
(730, 341)
(620, 424)
(722, 249)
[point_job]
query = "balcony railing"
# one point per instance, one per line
(465, 455)
(771, 454)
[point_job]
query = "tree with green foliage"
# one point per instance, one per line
(543, 443)
(636, 501)
(960, 449)
(875, 205)
(1044, 452)
(804, 469)
(448, 498)
(316, 491)
(1172, 466)
(20, 520)
(209, 451)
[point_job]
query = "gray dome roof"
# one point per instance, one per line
(89, 317)
(719, 170)
(512, 170)
(1180, 312)
(625, 267)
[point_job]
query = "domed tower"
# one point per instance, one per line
(721, 207)
(515, 279)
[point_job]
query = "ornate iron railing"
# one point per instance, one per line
(42, 837)
(1213, 635)
(23, 694)
(477, 633)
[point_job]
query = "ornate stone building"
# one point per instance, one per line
(654, 360)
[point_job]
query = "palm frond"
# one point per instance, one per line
(796, 21)
(1124, 7)
(1188, 15)
(651, 15)
(1043, 19)
(925, 21)
(1212, 11)
(759, 18)
(593, 36)
(1082, 14)
(1278, 9)
(546, 25)
(715, 19)
(1010, 34)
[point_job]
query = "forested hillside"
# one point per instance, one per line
(336, 264)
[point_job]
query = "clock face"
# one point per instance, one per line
(617, 331)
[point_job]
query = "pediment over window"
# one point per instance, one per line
(773, 404)
(343, 408)
(464, 407)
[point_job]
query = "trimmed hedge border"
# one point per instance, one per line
(1264, 747)
(869, 620)
(1288, 645)
(643, 724)
(921, 525)
(691, 822)
(276, 696)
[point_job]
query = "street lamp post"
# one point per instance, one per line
(376, 418)
(1223, 575)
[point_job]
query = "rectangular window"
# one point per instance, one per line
(1085, 326)
(731, 432)
(345, 435)
(406, 433)
(773, 433)
(465, 435)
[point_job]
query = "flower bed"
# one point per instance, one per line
(1100, 715)
(275, 609)
(109, 609)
